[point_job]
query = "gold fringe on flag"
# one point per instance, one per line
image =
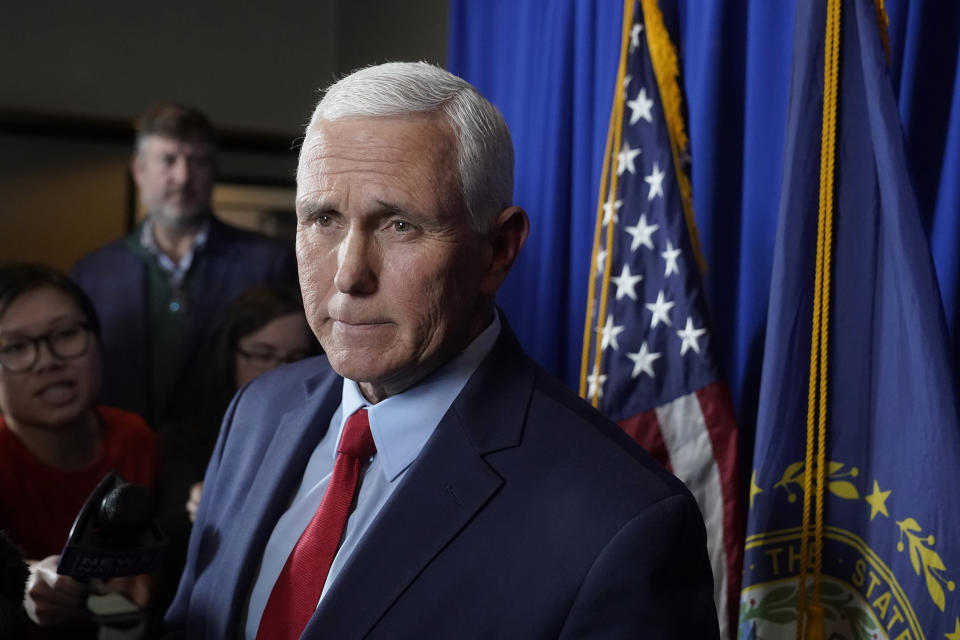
(666, 68)
(884, 22)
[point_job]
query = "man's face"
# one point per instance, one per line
(395, 278)
(175, 178)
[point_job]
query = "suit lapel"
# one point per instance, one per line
(442, 492)
(284, 458)
(448, 484)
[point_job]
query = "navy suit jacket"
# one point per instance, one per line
(526, 515)
(116, 278)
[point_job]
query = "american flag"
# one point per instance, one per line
(647, 345)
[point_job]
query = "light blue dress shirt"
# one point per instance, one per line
(400, 425)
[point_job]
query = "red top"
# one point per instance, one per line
(38, 503)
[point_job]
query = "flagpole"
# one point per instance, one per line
(613, 142)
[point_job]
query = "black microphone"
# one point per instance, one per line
(13, 582)
(115, 533)
(125, 511)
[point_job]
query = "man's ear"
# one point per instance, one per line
(507, 235)
(135, 167)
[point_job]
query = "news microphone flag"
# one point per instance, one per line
(647, 353)
(115, 533)
(854, 508)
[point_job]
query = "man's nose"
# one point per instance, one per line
(180, 170)
(357, 261)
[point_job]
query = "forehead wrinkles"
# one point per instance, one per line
(422, 154)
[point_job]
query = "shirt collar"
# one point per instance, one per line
(403, 423)
(177, 270)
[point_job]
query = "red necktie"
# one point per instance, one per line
(297, 591)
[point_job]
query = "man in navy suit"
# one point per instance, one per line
(497, 504)
(158, 290)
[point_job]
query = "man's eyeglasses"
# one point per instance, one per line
(268, 359)
(20, 353)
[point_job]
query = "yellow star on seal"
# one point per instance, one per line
(754, 489)
(878, 503)
(956, 632)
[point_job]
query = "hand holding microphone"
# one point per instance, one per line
(114, 543)
(52, 599)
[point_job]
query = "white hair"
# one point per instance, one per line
(484, 150)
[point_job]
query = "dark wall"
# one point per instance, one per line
(376, 31)
(79, 73)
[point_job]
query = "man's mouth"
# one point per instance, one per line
(357, 326)
(180, 194)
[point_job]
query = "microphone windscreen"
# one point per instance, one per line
(128, 506)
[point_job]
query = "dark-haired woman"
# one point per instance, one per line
(56, 444)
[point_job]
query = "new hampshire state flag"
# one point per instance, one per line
(855, 489)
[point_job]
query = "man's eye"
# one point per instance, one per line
(401, 225)
(324, 220)
(200, 163)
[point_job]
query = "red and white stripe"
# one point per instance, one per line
(695, 436)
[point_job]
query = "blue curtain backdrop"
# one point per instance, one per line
(549, 65)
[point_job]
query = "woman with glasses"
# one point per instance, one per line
(56, 444)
